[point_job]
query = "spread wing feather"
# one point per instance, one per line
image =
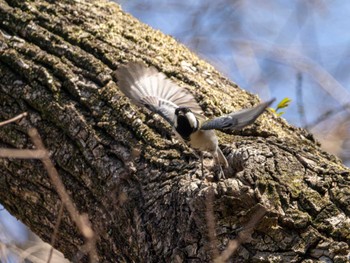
(147, 87)
(236, 120)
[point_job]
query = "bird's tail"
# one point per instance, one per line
(221, 158)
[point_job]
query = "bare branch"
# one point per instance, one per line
(20, 116)
(41, 153)
(328, 114)
(54, 235)
(213, 242)
(81, 221)
(22, 154)
(243, 236)
(300, 101)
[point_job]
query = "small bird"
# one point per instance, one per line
(148, 87)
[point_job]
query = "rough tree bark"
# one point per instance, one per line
(142, 190)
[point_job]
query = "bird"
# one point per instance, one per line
(146, 86)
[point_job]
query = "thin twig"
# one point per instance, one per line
(305, 65)
(209, 214)
(300, 101)
(22, 154)
(81, 221)
(328, 114)
(243, 236)
(20, 116)
(55, 232)
(41, 153)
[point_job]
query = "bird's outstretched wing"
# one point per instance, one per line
(148, 87)
(236, 120)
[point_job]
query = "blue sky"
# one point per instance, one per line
(317, 30)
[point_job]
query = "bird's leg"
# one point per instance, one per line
(222, 172)
(217, 162)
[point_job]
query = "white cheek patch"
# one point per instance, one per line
(192, 119)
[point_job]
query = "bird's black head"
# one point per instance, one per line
(185, 122)
(182, 111)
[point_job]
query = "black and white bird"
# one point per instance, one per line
(148, 87)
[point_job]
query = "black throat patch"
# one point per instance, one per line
(184, 128)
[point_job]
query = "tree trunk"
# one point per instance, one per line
(143, 191)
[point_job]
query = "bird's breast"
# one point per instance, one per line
(204, 140)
